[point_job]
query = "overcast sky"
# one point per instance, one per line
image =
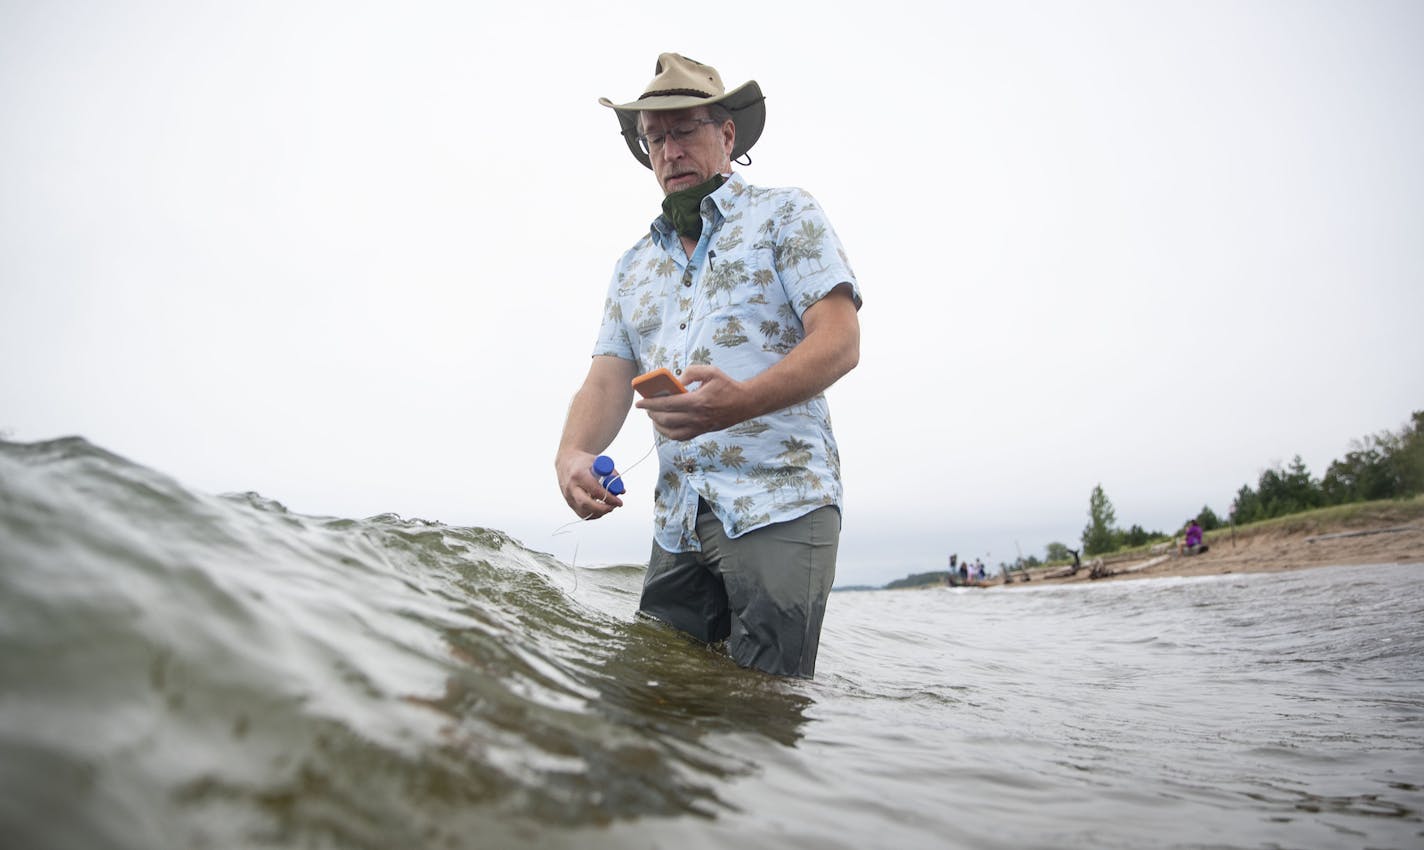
(352, 255)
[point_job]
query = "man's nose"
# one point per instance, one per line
(672, 149)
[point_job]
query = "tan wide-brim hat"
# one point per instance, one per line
(682, 83)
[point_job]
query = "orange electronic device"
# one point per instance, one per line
(658, 382)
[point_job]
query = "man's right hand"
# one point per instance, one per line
(587, 498)
(595, 415)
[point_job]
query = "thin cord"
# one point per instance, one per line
(564, 529)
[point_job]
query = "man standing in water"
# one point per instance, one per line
(744, 293)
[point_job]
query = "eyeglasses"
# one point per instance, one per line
(652, 141)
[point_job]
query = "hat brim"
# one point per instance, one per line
(745, 102)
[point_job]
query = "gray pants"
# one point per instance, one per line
(764, 592)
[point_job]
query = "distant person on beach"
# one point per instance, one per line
(1192, 543)
(744, 293)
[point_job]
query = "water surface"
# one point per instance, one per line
(184, 670)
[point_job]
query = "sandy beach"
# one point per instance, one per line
(1379, 533)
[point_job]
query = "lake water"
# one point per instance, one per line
(183, 670)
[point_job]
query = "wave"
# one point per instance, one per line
(182, 669)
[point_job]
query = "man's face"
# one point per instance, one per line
(681, 163)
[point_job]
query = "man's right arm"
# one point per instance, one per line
(595, 417)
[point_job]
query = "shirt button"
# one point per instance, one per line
(682, 327)
(689, 467)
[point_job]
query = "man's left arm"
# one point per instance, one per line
(830, 349)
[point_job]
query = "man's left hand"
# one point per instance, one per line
(717, 402)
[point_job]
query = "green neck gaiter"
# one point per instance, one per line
(684, 207)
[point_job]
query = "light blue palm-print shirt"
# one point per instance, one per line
(765, 256)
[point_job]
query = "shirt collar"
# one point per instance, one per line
(724, 200)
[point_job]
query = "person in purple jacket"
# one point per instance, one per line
(1192, 544)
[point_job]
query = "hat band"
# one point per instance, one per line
(668, 92)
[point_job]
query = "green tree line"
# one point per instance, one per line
(918, 580)
(1387, 465)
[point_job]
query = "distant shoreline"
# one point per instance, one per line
(1389, 532)
(1267, 553)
